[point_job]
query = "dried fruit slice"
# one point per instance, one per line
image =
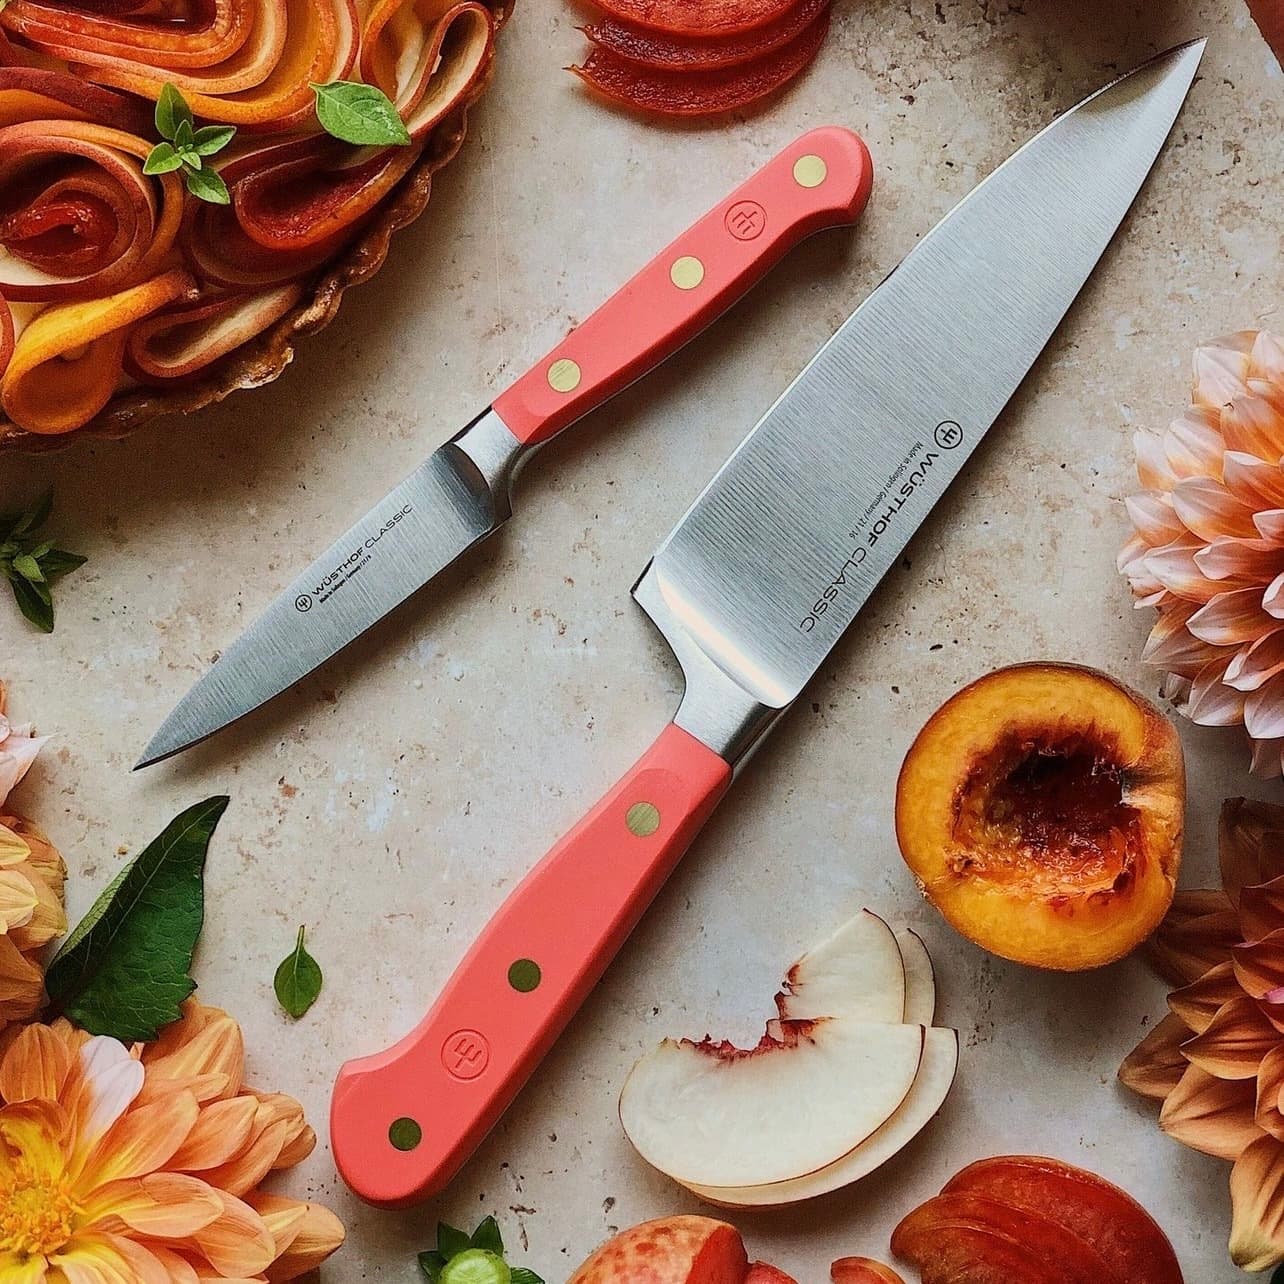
(858, 974)
(675, 93)
(662, 51)
(1059, 1256)
(1127, 1237)
(931, 1086)
(716, 1115)
(697, 17)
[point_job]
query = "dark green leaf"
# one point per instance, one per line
(210, 139)
(162, 159)
(171, 112)
(33, 519)
(432, 1264)
(451, 1241)
(298, 980)
(487, 1236)
(57, 561)
(28, 568)
(32, 605)
(522, 1276)
(361, 114)
(207, 186)
(125, 970)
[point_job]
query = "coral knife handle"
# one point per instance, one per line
(822, 179)
(403, 1122)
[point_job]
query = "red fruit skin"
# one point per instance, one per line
(761, 1273)
(670, 1250)
(697, 17)
(953, 1253)
(862, 1270)
(678, 93)
(1127, 1237)
(664, 52)
(1270, 18)
(1057, 1256)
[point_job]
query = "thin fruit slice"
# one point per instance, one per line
(1130, 1240)
(920, 978)
(1072, 1259)
(679, 93)
(857, 974)
(862, 1270)
(952, 1253)
(671, 1250)
(931, 1086)
(662, 51)
(697, 17)
(761, 1273)
(716, 1115)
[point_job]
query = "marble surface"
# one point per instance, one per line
(392, 799)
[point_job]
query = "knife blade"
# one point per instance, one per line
(752, 589)
(461, 494)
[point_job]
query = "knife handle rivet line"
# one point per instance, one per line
(686, 272)
(810, 170)
(564, 375)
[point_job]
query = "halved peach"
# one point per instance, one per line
(1041, 811)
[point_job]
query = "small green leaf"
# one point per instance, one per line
(487, 1236)
(162, 159)
(207, 185)
(522, 1276)
(28, 568)
(191, 158)
(432, 1263)
(125, 970)
(171, 112)
(185, 134)
(298, 980)
(57, 562)
(32, 605)
(210, 139)
(33, 519)
(451, 1241)
(358, 113)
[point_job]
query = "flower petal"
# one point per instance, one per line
(35, 1065)
(1270, 1079)
(1256, 663)
(22, 984)
(1187, 946)
(1207, 509)
(143, 1140)
(1261, 909)
(1212, 703)
(238, 1244)
(1155, 1066)
(103, 1084)
(1174, 568)
(1264, 710)
(205, 1042)
(1257, 1206)
(1193, 445)
(1259, 965)
(1253, 426)
(1215, 1116)
(1153, 469)
(319, 1235)
(160, 1205)
(221, 1132)
(1198, 1003)
(1235, 1041)
(1222, 369)
(1250, 844)
(1232, 619)
(1257, 482)
(1155, 518)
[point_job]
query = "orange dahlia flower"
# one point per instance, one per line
(142, 1165)
(31, 883)
(1208, 552)
(1217, 1061)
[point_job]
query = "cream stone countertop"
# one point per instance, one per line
(394, 798)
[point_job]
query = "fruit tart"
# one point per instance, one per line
(186, 186)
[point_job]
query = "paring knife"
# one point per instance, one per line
(752, 590)
(461, 493)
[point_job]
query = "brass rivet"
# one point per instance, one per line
(564, 375)
(643, 819)
(686, 272)
(405, 1133)
(810, 171)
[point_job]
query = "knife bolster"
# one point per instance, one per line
(715, 708)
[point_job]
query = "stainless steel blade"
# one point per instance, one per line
(773, 561)
(456, 498)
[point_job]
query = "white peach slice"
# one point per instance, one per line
(716, 1115)
(931, 1086)
(920, 978)
(857, 974)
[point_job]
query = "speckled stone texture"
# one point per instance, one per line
(391, 800)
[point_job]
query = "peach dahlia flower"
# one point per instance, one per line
(1208, 553)
(1217, 1061)
(142, 1165)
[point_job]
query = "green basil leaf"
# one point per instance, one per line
(452, 1241)
(298, 980)
(361, 114)
(171, 112)
(34, 518)
(522, 1276)
(32, 605)
(28, 568)
(207, 185)
(210, 139)
(162, 159)
(432, 1264)
(487, 1236)
(125, 970)
(57, 561)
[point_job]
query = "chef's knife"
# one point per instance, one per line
(753, 589)
(461, 493)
